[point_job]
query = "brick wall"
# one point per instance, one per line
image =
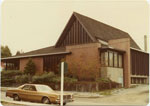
(84, 62)
(124, 44)
(38, 62)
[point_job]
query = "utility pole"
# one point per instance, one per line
(62, 83)
(145, 43)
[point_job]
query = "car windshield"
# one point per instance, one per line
(44, 88)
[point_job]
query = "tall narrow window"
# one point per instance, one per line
(120, 60)
(103, 58)
(110, 59)
(115, 59)
(106, 58)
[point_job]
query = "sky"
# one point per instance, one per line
(33, 24)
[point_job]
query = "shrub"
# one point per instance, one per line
(105, 80)
(70, 80)
(50, 78)
(21, 79)
(8, 77)
(44, 78)
(30, 68)
(7, 81)
(56, 79)
(10, 73)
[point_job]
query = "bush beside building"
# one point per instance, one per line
(53, 80)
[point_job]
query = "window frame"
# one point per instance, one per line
(113, 58)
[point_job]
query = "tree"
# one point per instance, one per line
(30, 68)
(19, 52)
(5, 51)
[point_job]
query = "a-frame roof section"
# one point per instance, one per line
(67, 27)
(96, 30)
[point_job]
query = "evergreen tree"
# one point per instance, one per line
(30, 68)
(5, 51)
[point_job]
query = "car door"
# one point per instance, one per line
(33, 94)
(23, 94)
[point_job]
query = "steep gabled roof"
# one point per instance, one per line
(102, 31)
(97, 30)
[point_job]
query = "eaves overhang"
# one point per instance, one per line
(36, 55)
(112, 49)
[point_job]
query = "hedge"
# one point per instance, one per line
(8, 77)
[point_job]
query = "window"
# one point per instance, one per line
(104, 58)
(32, 88)
(115, 59)
(110, 59)
(26, 87)
(29, 87)
(120, 60)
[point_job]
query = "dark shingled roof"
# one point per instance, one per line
(102, 31)
(40, 52)
(46, 50)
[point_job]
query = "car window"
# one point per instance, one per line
(26, 87)
(32, 88)
(43, 88)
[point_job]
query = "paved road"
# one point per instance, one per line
(131, 96)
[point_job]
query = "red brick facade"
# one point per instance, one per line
(124, 44)
(84, 60)
(38, 61)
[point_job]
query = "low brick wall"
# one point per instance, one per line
(85, 86)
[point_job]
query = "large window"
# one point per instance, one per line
(111, 59)
(104, 59)
(115, 59)
(111, 62)
(120, 60)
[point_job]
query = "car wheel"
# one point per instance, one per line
(16, 97)
(63, 104)
(45, 100)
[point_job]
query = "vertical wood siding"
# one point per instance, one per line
(75, 35)
(51, 63)
(139, 63)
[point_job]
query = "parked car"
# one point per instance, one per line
(38, 93)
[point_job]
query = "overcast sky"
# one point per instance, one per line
(32, 24)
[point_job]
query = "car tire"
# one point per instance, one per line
(16, 97)
(63, 104)
(46, 100)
